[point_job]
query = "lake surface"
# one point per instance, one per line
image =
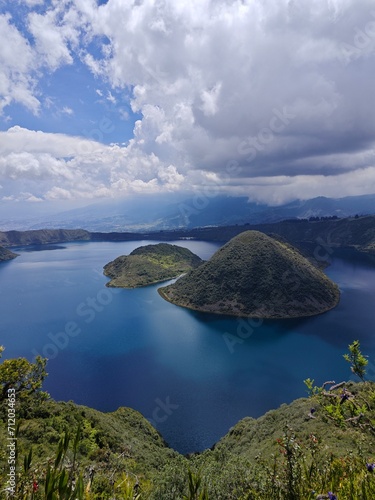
(193, 375)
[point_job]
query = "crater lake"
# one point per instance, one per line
(193, 375)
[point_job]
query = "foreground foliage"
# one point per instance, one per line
(316, 448)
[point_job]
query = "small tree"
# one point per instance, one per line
(23, 376)
(356, 359)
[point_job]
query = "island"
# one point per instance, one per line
(254, 275)
(6, 254)
(150, 264)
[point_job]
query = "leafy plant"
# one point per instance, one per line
(311, 388)
(325, 452)
(196, 490)
(24, 377)
(357, 361)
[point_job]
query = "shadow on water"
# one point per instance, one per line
(241, 325)
(38, 248)
(352, 318)
(355, 257)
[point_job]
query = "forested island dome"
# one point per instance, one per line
(255, 275)
(150, 264)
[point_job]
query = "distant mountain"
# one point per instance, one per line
(42, 237)
(257, 276)
(176, 211)
(150, 264)
(318, 238)
(322, 207)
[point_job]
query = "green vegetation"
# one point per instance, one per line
(255, 275)
(322, 236)
(150, 264)
(42, 236)
(6, 254)
(316, 448)
(357, 361)
(24, 378)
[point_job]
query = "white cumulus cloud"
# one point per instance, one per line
(282, 90)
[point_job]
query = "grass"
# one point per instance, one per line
(150, 264)
(320, 447)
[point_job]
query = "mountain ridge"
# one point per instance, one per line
(322, 236)
(156, 212)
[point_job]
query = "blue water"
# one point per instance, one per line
(194, 375)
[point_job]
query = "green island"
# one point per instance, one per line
(319, 447)
(6, 254)
(150, 264)
(258, 276)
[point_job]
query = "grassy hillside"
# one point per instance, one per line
(110, 445)
(324, 443)
(255, 275)
(150, 264)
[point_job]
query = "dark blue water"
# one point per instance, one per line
(194, 375)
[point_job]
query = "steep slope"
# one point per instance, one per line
(150, 264)
(111, 444)
(255, 275)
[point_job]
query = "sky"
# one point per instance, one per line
(272, 99)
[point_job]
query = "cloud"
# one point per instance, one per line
(28, 197)
(281, 90)
(67, 111)
(53, 36)
(58, 166)
(208, 76)
(17, 66)
(18, 140)
(281, 189)
(47, 44)
(32, 3)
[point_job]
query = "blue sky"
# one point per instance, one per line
(72, 98)
(104, 100)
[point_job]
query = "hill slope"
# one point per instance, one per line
(255, 275)
(150, 264)
(299, 451)
(42, 236)
(122, 447)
